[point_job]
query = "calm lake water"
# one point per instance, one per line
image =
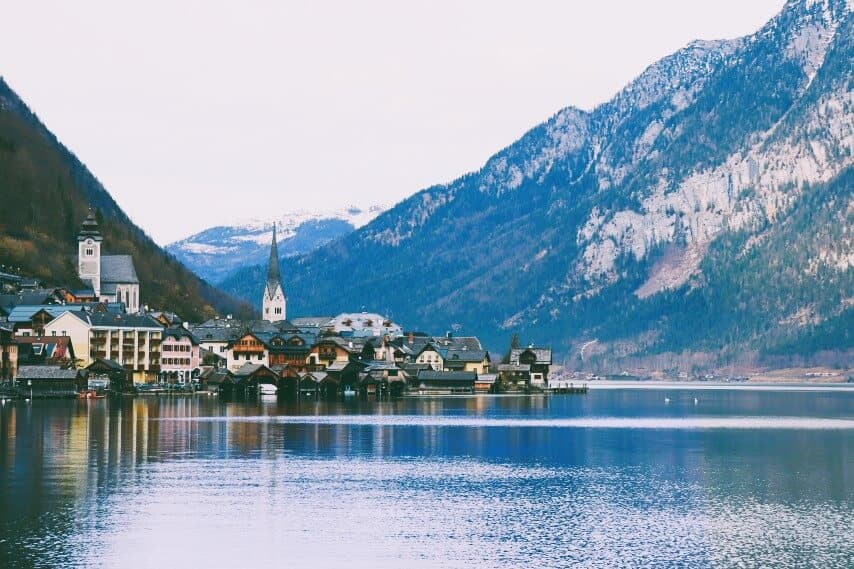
(617, 477)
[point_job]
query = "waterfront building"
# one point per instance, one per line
(51, 380)
(107, 374)
(180, 359)
(539, 361)
(131, 340)
(444, 382)
(274, 302)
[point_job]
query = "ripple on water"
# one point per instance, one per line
(443, 513)
(664, 423)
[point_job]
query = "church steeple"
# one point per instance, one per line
(274, 303)
(273, 277)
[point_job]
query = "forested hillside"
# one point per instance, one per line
(45, 192)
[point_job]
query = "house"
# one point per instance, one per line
(32, 319)
(329, 349)
(107, 374)
(431, 355)
(289, 349)
(539, 360)
(111, 278)
(40, 350)
(8, 353)
(443, 382)
(75, 325)
(51, 380)
(247, 348)
(180, 357)
(466, 360)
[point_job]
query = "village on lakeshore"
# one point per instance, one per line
(103, 339)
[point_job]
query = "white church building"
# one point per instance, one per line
(112, 278)
(274, 303)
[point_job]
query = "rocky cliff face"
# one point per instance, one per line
(611, 224)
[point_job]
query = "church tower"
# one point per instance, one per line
(89, 253)
(274, 302)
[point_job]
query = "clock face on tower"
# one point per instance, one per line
(89, 242)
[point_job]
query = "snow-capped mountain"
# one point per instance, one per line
(707, 208)
(217, 252)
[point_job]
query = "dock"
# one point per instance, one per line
(566, 388)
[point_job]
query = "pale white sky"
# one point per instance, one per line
(199, 113)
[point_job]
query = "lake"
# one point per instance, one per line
(752, 477)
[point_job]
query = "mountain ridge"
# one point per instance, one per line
(592, 216)
(219, 251)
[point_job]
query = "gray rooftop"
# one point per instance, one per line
(45, 372)
(118, 269)
(542, 355)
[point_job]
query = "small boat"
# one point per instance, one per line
(267, 389)
(90, 394)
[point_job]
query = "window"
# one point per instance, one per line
(53, 333)
(89, 251)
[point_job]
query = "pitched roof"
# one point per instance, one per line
(474, 356)
(46, 372)
(111, 364)
(24, 313)
(311, 321)
(514, 367)
(541, 355)
(117, 269)
(211, 334)
(124, 320)
(180, 332)
(431, 375)
(248, 369)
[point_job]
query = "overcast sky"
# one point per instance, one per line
(194, 114)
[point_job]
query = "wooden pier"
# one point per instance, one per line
(566, 388)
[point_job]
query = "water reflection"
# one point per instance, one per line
(753, 477)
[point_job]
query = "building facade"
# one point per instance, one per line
(111, 278)
(180, 359)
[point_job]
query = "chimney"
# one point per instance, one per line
(411, 338)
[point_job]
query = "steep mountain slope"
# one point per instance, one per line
(633, 224)
(217, 252)
(45, 192)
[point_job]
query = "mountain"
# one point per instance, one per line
(217, 252)
(45, 193)
(706, 210)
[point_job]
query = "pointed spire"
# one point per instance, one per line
(273, 278)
